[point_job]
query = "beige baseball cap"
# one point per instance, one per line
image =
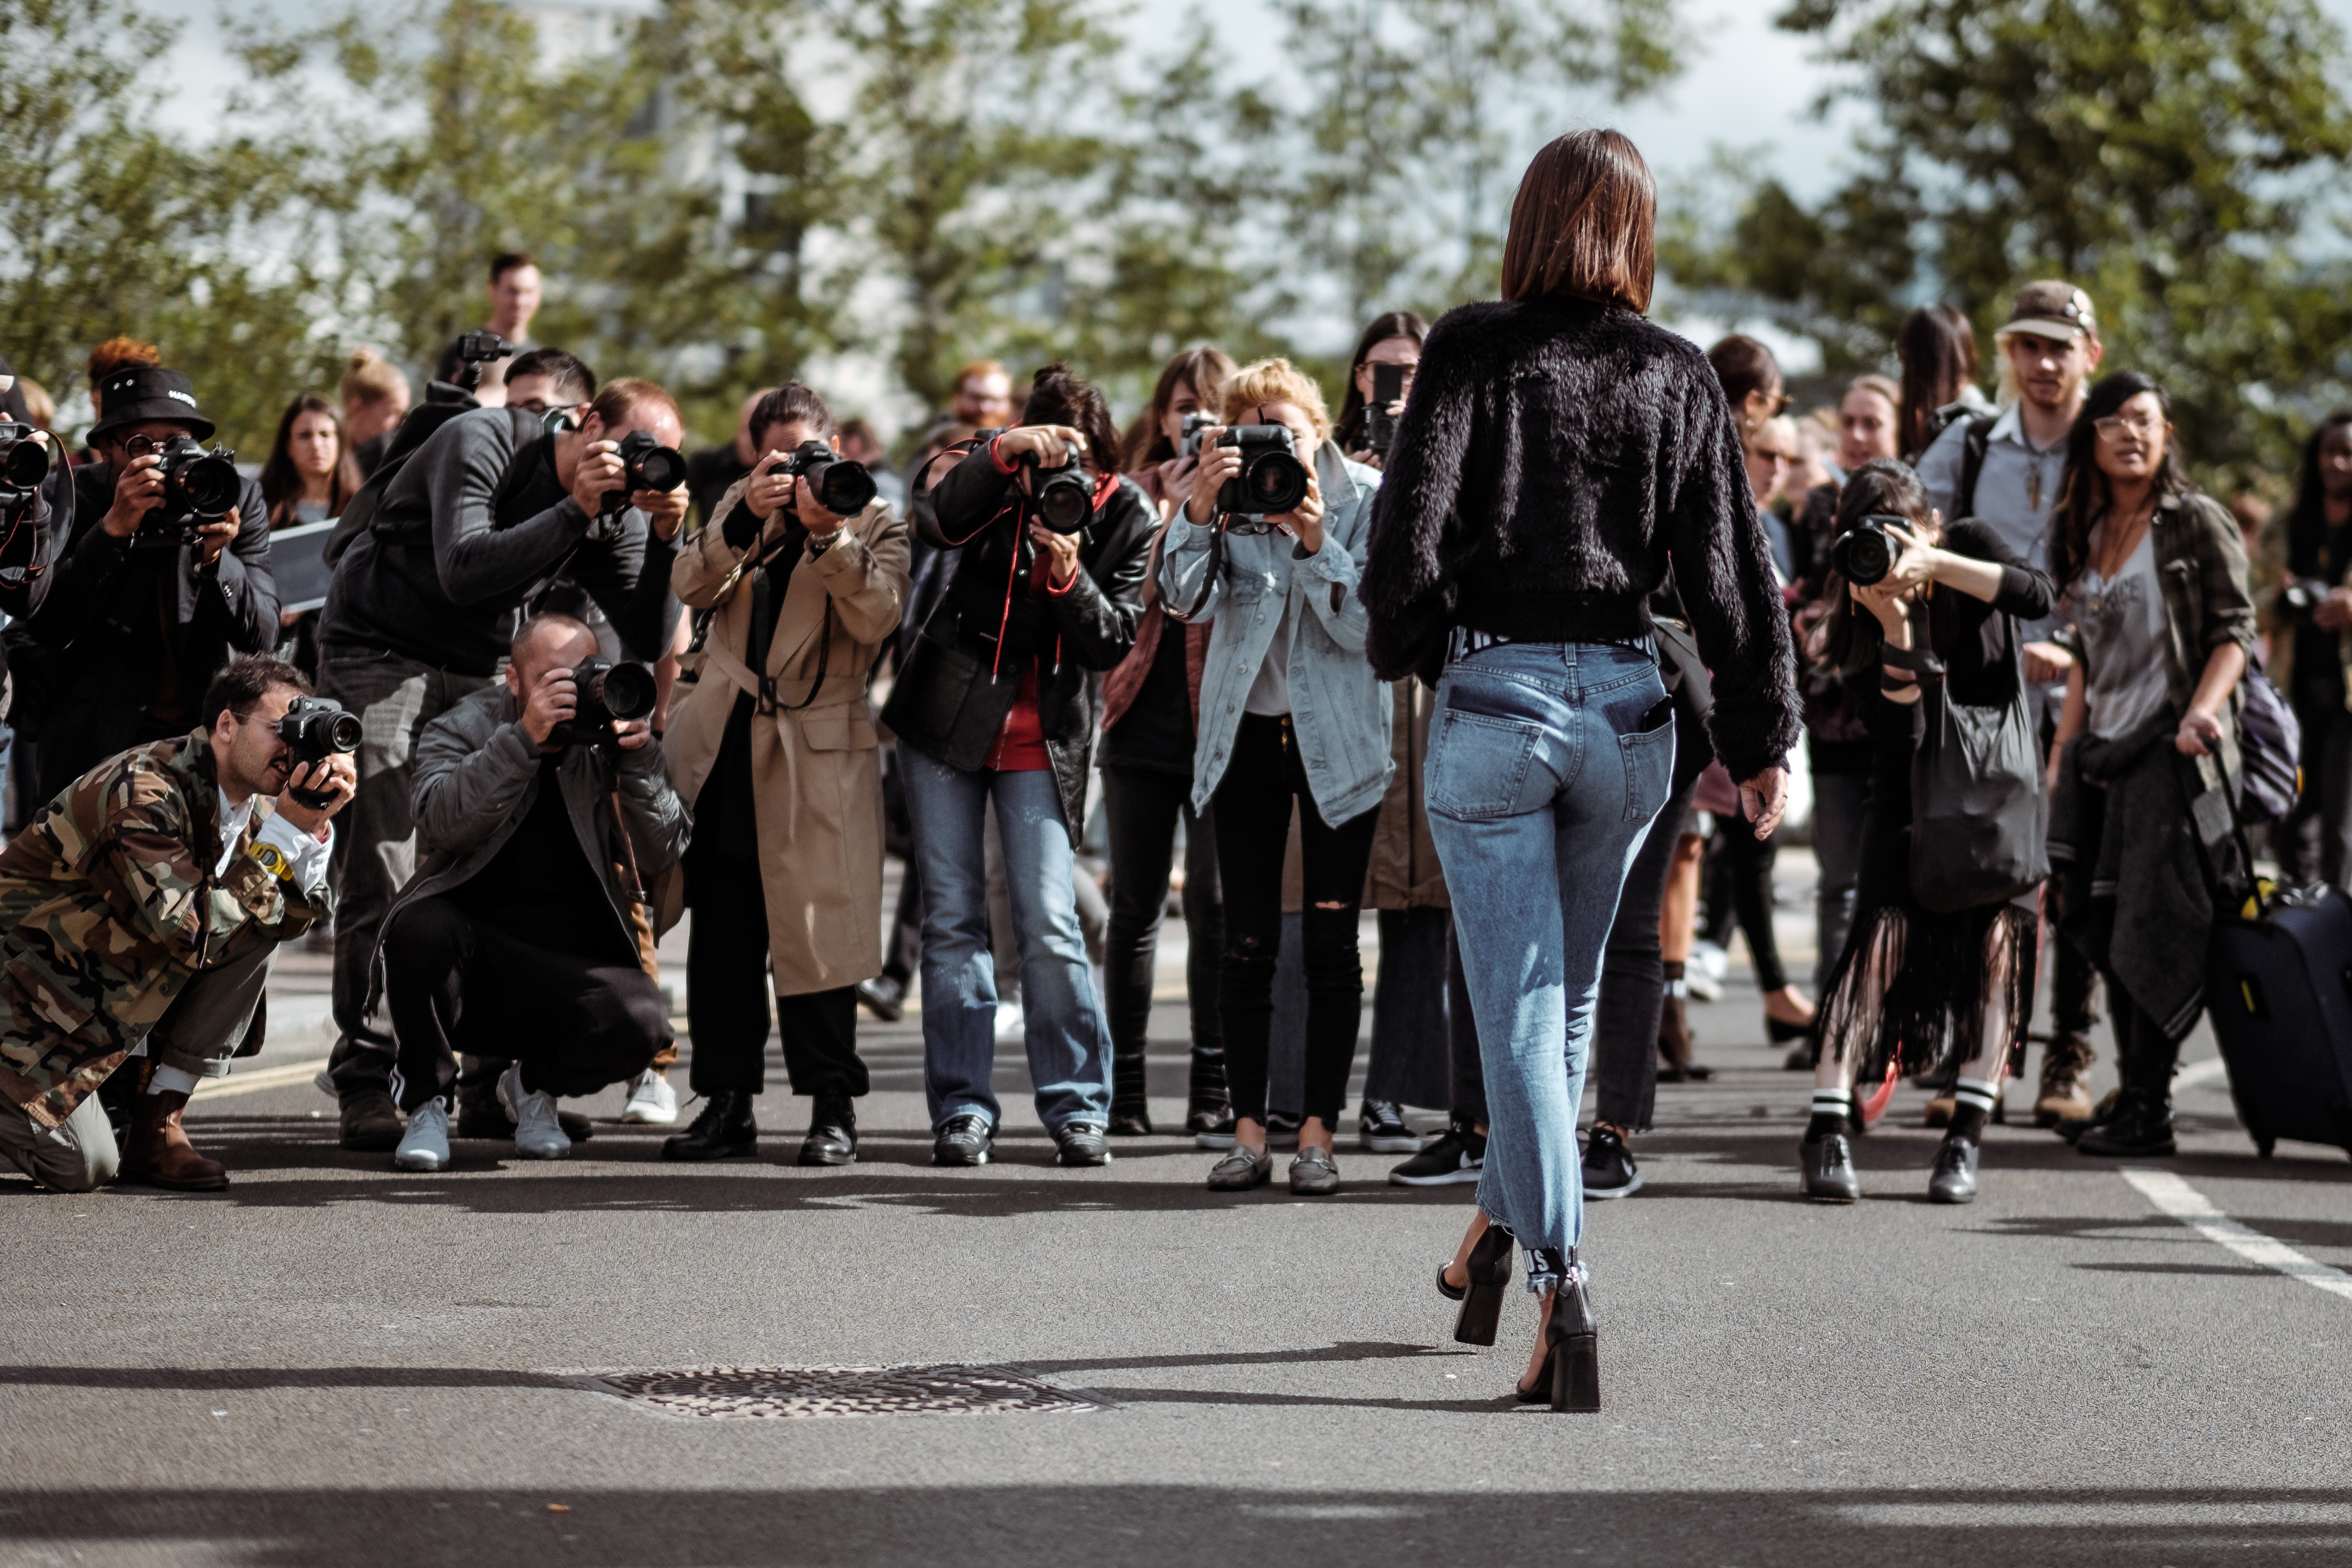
(2050, 309)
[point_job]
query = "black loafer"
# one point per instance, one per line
(1136, 1124)
(832, 1133)
(962, 1141)
(1080, 1143)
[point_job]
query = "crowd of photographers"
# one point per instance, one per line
(523, 682)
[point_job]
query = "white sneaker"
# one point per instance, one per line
(1708, 959)
(652, 1101)
(1012, 1026)
(426, 1145)
(538, 1135)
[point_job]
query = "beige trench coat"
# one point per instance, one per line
(817, 776)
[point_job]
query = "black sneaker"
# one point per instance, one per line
(1282, 1130)
(962, 1141)
(1458, 1154)
(1609, 1168)
(1382, 1129)
(1211, 1126)
(2139, 1128)
(1080, 1143)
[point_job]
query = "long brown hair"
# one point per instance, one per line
(2083, 492)
(1850, 638)
(1348, 432)
(1938, 348)
(281, 482)
(1584, 224)
(1204, 369)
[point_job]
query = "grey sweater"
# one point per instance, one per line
(471, 526)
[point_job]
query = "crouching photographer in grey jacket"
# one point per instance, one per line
(540, 816)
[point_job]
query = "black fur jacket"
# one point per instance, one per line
(1557, 460)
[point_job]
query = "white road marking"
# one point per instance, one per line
(2194, 1209)
(2206, 1071)
(254, 1082)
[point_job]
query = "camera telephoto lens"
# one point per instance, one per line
(1864, 553)
(843, 488)
(620, 691)
(24, 462)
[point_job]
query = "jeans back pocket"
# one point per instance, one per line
(1649, 754)
(1478, 764)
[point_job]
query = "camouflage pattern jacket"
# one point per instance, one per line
(109, 906)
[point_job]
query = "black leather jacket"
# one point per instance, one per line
(963, 673)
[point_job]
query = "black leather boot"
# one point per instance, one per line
(1130, 1116)
(1209, 1104)
(722, 1130)
(832, 1133)
(2140, 1126)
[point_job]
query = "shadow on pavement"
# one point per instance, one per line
(1154, 1525)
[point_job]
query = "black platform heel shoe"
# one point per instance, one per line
(1570, 1377)
(1489, 1274)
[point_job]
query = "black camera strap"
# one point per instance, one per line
(764, 611)
(1208, 578)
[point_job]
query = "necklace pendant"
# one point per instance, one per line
(2033, 488)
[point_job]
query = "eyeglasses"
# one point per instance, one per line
(2113, 425)
(143, 446)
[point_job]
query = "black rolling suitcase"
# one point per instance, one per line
(2279, 986)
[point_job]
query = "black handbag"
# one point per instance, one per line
(1980, 815)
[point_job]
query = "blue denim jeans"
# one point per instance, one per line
(1547, 763)
(1069, 1041)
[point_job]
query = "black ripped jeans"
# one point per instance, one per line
(1252, 811)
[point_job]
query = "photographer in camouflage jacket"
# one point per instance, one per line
(139, 914)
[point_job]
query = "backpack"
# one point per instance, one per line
(1973, 446)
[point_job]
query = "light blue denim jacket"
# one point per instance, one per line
(1339, 708)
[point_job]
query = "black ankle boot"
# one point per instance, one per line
(832, 1133)
(2139, 1126)
(1208, 1103)
(722, 1130)
(1130, 1117)
(1571, 1378)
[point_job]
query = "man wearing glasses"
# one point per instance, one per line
(2005, 470)
(138, 626)
(549, 381)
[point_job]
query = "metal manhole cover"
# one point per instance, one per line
(800, 1393)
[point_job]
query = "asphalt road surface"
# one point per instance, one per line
(331, 1362)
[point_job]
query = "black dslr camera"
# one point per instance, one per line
(604, 693)
(24, 463)
(1062, 498)
(1194, 423)
(1864, 553)
(842, 487)
(314, 729)
(199, 487)
(646, 465)
(1272, 480)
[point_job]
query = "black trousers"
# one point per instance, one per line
(1252, 807)
(727, 994)
(1632, 991)
(576, 1023)
(2145, 1056)
(1739, 885)
(1142, 808)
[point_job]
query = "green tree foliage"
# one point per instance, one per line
(2173, 157)
(115, 225)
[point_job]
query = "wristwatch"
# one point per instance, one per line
(272, 861)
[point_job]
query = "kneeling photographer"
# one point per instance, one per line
(164, 577)
(542, 806)
(473, 524)
(804, 570)
(1268, 549)
(996, 703)
(147, 901)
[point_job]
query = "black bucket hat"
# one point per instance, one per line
(138, 393)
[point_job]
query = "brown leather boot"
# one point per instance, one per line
(159, 1153)
(2065, 1070)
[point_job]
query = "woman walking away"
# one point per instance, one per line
(1939, 988)
(2155, 574)
(1560, 456)
(1148, 704)
(1288, 708)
